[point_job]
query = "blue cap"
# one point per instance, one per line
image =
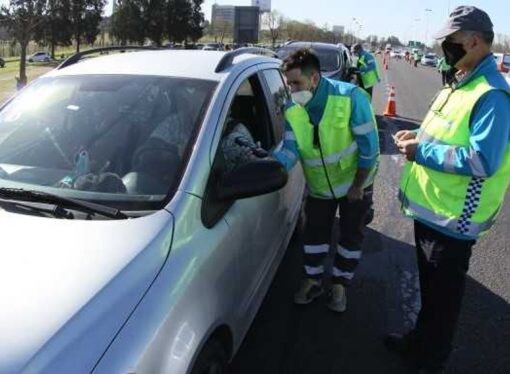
(465, 18)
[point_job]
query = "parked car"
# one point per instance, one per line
(503, 62)
(334, 58)
(128, 245)
(397, 53)
(39, 57)
(429, 59)
(213, 47)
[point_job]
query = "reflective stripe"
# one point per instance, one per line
(314, 270)
(474, 160)
(449, 160)
(449, 223)
(334, 158)
(289, 154)
(427, 138)
(341, 189)
(342, 274)
(371, 157)
(476, 165)
(348, 254)
(289, 135)
(364, 129)
(316, 249)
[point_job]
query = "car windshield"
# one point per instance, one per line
(120, 140)
(329, 58)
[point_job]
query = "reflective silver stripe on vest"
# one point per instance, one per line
(452, 224)
(364, 128)
(474, 160)
(427, 138)
(334, 158)
(340, 190)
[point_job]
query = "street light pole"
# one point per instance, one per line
(427, 11)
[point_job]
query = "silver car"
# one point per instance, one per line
(127, 246)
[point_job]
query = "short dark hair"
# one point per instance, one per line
(305, 59)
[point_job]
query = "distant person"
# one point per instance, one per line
(367, 67)
(444, 68)
(455, 181)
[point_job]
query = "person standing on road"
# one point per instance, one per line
(367, 67)
(444, 68)
(455, 181)
(331, 128)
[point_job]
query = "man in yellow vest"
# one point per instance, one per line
(455, 181)
(367, 66)
(331, 129)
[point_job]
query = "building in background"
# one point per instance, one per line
(246, 24)
(264, 5)
(222, 13)
(338, 30)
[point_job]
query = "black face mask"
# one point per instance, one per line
(453, 52)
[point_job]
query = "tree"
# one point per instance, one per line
(179, 14)
(197, 21)
(222, 29)
(273, 21)
(85, 18)
(56, 28)
(128, 23)
(153, 13)
(22, 18)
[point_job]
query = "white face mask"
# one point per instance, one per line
(302, 97)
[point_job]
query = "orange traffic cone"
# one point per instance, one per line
(391, 106)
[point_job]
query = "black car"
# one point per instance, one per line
(334, 58)
(2, 62)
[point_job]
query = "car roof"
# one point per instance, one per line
(176, 63)
(311, 45)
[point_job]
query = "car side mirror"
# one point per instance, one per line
(255, 178)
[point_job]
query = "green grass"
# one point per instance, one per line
(8, 74)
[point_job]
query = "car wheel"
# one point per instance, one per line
(211, 360)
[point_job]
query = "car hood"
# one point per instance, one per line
(69, 285)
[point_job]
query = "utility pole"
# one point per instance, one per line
(427, 11)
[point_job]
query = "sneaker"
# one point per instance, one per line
(337, 299)
(310, 290)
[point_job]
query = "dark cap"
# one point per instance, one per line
(466, 18)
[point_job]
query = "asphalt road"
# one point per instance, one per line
(384, 297)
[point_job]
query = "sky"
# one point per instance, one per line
(406, 19)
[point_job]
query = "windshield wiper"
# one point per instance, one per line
(63, 202)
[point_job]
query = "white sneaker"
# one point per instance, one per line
(310, 290)
(337, 301)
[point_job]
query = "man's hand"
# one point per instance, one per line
(404, 135)
(408, 148)
(354, 194)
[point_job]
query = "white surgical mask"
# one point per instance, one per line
(302, 97)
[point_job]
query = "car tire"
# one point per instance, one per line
(211, 360)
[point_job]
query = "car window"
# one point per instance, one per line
(119, 140)
(279, 96)
(506, 59)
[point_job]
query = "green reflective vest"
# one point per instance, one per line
(443, 65)
(330, 174)
(464, 205)
(369, 78)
